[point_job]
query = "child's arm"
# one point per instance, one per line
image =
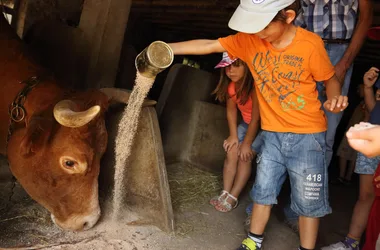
(369, 80)
(335, 101)
(197, 47)
(366, 114)
(232, 140)
(245, 151)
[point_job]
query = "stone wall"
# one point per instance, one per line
(193, 128)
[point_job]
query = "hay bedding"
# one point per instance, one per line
(26, 223)
(191, 187)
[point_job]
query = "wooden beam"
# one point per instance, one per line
(199, 34)
(190, 23)
(170, 10)
(183, 18)
(187, 3)
(195, 28)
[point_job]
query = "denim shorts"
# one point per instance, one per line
(302, 156)
(365, 165)
(242, 130)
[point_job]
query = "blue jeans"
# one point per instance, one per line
(335, 52)
(302, 156)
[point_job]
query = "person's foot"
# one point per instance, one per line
(292, 224)
(229, 203)
(219, 198)
(248, 244)
(347, 244)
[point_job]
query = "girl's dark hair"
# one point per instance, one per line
(281, 16)
(242, 93)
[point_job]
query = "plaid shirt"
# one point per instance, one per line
(330, 19)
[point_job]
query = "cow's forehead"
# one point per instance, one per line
(85, 138)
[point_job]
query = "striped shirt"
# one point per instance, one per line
(330, 19)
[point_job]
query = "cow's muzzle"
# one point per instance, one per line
(78, 223)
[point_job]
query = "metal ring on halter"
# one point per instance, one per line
(17, 114)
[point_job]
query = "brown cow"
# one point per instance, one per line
(55, 151)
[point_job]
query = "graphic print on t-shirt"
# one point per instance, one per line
(269, 81)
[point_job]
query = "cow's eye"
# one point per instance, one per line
(69, 164)
(72, 165)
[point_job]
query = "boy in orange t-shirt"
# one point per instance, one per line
(285, 62)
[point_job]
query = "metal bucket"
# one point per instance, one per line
(154, 59)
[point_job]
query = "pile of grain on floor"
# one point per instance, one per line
(191, 186)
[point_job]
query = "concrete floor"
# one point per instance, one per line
(23, 223)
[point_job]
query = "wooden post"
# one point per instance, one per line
(103, 23)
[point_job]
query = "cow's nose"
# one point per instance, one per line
(91, 220)
(78, 223)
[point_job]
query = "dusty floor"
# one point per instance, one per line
(26, 225)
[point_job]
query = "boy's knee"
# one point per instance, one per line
(311, 210)
(264, 193)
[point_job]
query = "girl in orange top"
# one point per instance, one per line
(236, 88)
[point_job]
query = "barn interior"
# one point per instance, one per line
(108, 35)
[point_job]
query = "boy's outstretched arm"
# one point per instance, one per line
(197, 47)
(335, 101)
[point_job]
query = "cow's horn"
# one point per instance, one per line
(64, 114)
(122, 96)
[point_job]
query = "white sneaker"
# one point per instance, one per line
(339, 246)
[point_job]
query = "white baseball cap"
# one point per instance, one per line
(252, 16)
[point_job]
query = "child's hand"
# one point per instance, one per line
(377, 182)
(245, 152)
(230, 142)
(365, 138)
(336, 104)
(370, 77)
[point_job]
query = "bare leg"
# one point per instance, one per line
(362, 207)
(241, 178)
(230, 169)
(350, 170)
(308, 231)
(342, 167)
(259, 218)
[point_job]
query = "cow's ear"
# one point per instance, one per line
(37, 133)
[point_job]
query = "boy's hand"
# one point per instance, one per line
(230, 142)
(365, 138)
(336, 104)
(370, 77)
(245, 152)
